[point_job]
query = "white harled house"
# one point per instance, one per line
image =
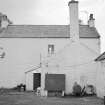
(52, 57)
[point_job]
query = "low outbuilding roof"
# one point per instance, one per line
(46, 31)
(101, 57)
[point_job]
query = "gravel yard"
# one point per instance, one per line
(29, 98)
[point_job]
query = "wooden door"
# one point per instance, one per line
(36, 80)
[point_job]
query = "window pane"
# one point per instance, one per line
(50, 49)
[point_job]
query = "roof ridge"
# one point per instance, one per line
(34, 25)
(99, 57)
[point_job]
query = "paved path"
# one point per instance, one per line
(32, 99)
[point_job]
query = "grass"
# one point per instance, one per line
(13, 97)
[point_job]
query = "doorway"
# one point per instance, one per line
(36, 80)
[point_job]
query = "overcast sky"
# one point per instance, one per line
(53, 12)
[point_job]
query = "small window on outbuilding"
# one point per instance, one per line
(50, 49)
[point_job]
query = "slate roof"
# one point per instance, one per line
(101, 57)
(46, 31)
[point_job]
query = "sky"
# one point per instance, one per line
(53, 12)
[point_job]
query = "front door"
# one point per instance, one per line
(36, 80)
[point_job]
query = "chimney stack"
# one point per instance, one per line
(74, 21)
(91, 21)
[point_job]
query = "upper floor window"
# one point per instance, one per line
(50, 49)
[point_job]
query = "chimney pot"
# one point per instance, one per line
(4, 21)
(72, 1)
(91, 21)
(91, 17)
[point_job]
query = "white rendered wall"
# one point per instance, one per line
(77, 63)
(101, 79)
(23, 54)
(92, 43)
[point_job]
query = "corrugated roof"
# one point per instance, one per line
(101, 57)
(46, 31)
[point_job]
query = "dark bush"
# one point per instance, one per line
(77, 89)
(21, 87)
